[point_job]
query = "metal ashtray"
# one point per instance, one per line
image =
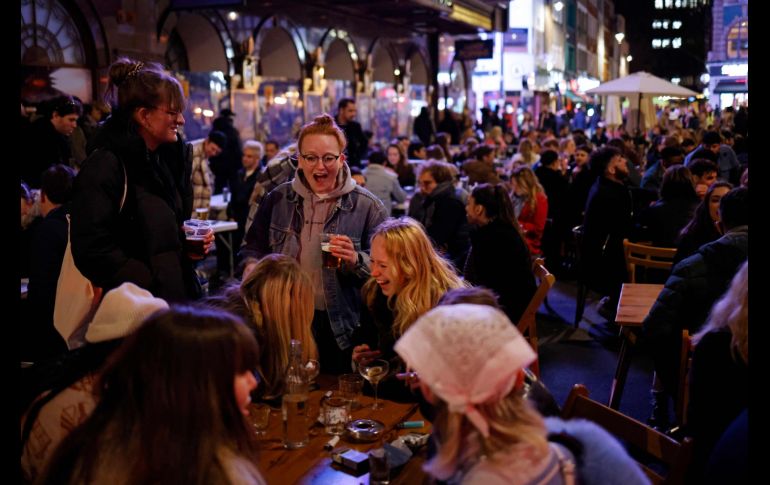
(365, 429)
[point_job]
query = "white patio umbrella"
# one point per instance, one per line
(613, 116)
(641, 84)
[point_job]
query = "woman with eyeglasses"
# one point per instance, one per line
(441, 212)
(134, 191)
(322, 198)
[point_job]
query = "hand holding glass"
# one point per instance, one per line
(197, 232)
(329, 259)
(374, 371)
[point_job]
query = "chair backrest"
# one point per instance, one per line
(683, 394)
(637, 436)
(527, 323)
(646, 256)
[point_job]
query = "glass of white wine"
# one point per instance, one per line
(374, 371)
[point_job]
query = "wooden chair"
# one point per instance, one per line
(646, 256)
(527, 323)
(683, 391)
(637, 437)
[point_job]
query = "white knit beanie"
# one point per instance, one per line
(121, 311)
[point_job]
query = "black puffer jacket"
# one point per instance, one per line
(144, 242)
(443, 216)
(693, 287)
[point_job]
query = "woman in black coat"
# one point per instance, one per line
(441, 213)
(134, 191)
(499, 258)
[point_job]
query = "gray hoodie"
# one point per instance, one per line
(317, 210)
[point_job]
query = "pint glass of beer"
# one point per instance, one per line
(329, 260)
(202, 213)
(195, 231)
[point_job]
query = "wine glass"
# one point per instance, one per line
(259, 416)
(312, 369)
(374, 371)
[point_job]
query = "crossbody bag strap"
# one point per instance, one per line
(125, 186)
(566, 465)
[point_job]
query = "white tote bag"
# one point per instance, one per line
(76, 297)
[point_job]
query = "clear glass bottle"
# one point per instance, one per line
(226, 194)
(294, 406)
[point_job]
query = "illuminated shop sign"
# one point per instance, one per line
(468, 50)
(735, 70)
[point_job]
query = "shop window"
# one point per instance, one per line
(738, 40)
(49, 36)
(53, 57)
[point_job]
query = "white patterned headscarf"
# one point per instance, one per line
(468, 355)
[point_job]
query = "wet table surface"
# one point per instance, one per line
(313, 465)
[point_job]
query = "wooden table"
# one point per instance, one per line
(635, 302)
(312, 464)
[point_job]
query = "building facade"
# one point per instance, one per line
(673, 38)
(276, 64)
(552, 52)
(728, 59)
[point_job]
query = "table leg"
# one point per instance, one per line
(227, 241)
(621, 371)
(232, 256)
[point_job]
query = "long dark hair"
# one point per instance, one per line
(167, 408)
(496, 202)
(701, 223)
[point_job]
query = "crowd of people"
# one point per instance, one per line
(475, 213)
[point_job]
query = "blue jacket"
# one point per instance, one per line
(384, 185)
(277, 228)
(603, 460)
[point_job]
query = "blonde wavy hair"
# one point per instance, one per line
(512, 420)
(424, 275)
(527, 180)
(279, 297)
(732, 312)
(527, 151)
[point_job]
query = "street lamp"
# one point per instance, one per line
(558, 6)
(619, 37)
(629, 58)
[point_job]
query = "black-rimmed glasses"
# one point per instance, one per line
(328, 159)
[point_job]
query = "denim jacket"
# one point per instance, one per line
(277, 228)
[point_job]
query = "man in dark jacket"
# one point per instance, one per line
(46, 141)
(556, 186)
(695, 284)
(607, 222)
(225, 166)
(40, 340)
(423, 127)
(357, 144)
(238, 208)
